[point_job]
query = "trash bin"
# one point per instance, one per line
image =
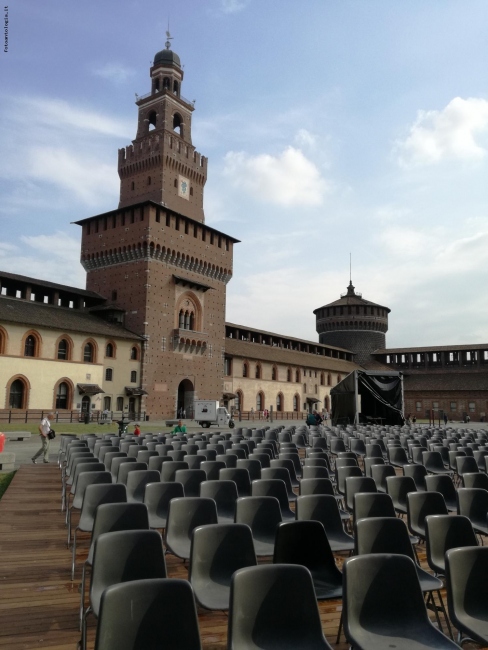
(87, 418)
(2, 442)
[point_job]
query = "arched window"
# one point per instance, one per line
(274, 373)
(88, 353)
(134, 354)
(107, 403)
(30, 346)
(166, 83)
(120, 403)
(322, 379)
(175, 87)
(17, 398)
(133, 376)
(258, 371)
(63, 350)
(109, 350)
(3, 341)
(296, 403)
(297, 376)
(288, 374)
(279, 402)
(62, 396)
(109, 374)
(178, 124)
(245, 369)
(339, 379)
(260, 401)
(329, 379)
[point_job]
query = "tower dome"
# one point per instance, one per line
(167, 57)
(353, 323)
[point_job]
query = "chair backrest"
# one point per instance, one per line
(169, 469)
(224, 493)
(89, 477)
(382, 597)
(475, 480)
(260, 513)
(373, 504)
(466, 465)
(343, 473)
(397, 456)
(108, 458)
(144, 455)
(272, 487)
(241, 478)
(90, 465)
(126, 468)
(212, 469)
(467, 588)
(280, 474)
(380, 473)
(419, 506)
(444, 532)
(96, 495)
(183, 517)
(316, 486)
(370, 461)
(382, 535)
(418, 473)
(264, 459)
(252, 466)
(315, 471)
(230, 460)
(255, 620)
(190, 479)
(320, 507)
(157, 497)
(432, 460)
(106, 450)
(123, 556)
(398, 487)
(355, 484)
(137, 481)
(473, 503)
(112, 517)
(441, 483)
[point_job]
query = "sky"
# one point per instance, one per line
(332, 128)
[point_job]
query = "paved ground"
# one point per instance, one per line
(25, 449)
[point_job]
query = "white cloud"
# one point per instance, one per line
(287, 179)
(85, 177)
(48, 257)
(232, 6)
(114, 72)
(452, 133)
(305, 139)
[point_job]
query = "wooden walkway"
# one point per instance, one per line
(39, 603)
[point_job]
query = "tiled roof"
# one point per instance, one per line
(49, 285)
(262, 352)
(33, 314)
(449, 381)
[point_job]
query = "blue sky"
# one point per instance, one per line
(331, 127)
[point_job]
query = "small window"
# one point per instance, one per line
(30, 346)
(258, 371)
(107, 403)
(109, 374)
(109, 350)
(279, 402)
(453, 406)
(288, 375)
(227, 366)
(435, 405)
(63, 349)
(418, 406)
(149, 180)
(17, 395)
(132, 186)
(296, 403)
(62, 396)
(88, 353)
(133, 354)
(133, 376)
(120, 403)
(472, 407)
(274, 373)
(245, 370)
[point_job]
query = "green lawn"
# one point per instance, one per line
(5, 482)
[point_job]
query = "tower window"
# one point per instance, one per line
(132, 186)
(149, 180)
(176, 182)
(88, 353)
(166, 83)
(175, 87)
(134, 354)
(191, 191)
(178, 124)
(63, 349)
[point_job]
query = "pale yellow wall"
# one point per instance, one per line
(250, 386)
(44, 372)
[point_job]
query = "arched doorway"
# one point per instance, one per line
(85, 404)
(186, 393)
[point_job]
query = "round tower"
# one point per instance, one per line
(353, 323)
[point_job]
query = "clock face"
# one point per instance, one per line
(183, 187)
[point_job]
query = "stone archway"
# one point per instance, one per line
(186, 393)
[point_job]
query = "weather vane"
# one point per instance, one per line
(169, 38)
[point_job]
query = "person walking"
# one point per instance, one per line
(44, 429)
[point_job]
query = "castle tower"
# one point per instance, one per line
(353, 323)
(161, 164)
(155, 259)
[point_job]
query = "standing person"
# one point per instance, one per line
(445, 419)
(252, 413)
(44, 429)
(137, 430)
(265, 414)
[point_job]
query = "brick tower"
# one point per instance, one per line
(353, 323)
(156, 260)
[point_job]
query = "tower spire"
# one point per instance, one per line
(169, 38)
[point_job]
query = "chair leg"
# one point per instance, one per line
(68, 515)
(340, 627)
(82, 594)
(73, 556)
(83, 628)
(446, 618)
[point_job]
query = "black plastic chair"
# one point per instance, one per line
(380, 473)
(433, 463)
(137, 481)
(476, 480)
(397, 456)
(384, 606)
(274, 607)
(443, 484)
(416, 455)
(288, 464)
(225, 495)
(94, 496)
(343, 473)
(157, 497)
(419, 506)
(467, 592)
(212, 469)
(116, 463)
(324, 508)
(262, 514)
(305, 542)
(126, 468)
(252, 466)
(418, 473)
(444, 532)
(369, 461)
(398, 487)
(466, 465)
(473, 504)
(356, 484)
(217, 552)
(316, 486)
(88, 475)
(121, 557)
(373, 504)
(184, 516)
(169, 469)
(273, 487)
(240, 478)
(315, 471)
(191, 480)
